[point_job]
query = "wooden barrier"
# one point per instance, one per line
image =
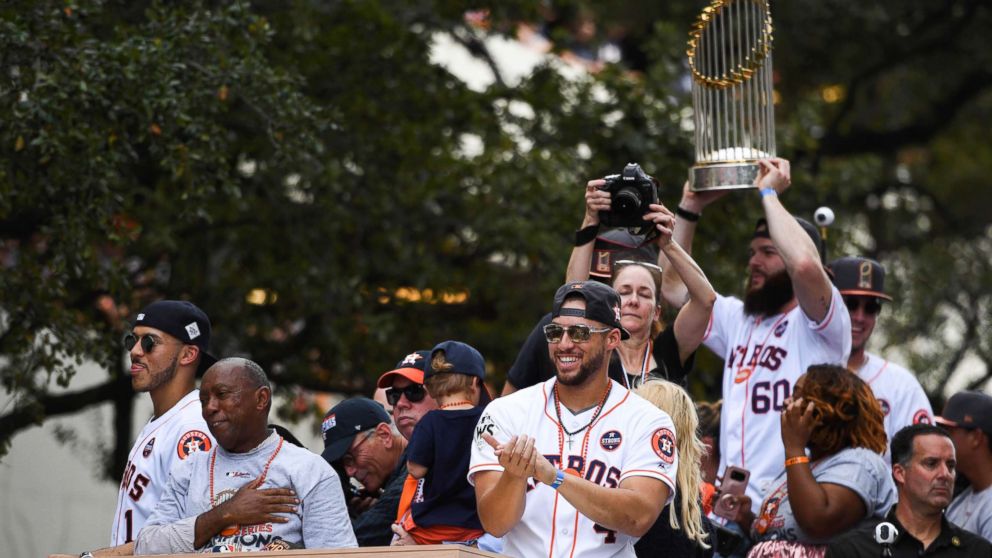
(429, 551)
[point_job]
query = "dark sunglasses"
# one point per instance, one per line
(872, 305)
(148, 341)
(414, 394)
(579, 333)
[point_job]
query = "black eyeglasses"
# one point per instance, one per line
(414, 394)
(871, 305)
(579, 333)
(148, 341)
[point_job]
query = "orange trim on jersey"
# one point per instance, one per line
(709, 328)
(879, 373)
(545, 394)
(470, 469)
(554, 526)
(747, 392)
(830, 316)
(621, 402)
(575, 534)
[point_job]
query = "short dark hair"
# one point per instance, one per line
(902, 443)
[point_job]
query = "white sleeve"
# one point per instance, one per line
(717, 333)
(913, 407)
(834, 332)
(325, 514)
(169, 530)
(653, 452)
(491, 422)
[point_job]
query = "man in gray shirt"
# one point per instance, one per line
(253, 492)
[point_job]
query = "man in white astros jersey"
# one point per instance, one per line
(791, 317)
(861, 282)
(576, 466)
(167, 346)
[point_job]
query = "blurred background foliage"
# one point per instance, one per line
(334, 198)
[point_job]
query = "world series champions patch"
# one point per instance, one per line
(611, 440)
(663, 444)
(148, 448)
(192, 442)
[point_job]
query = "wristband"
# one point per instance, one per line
(586, 235)
(796, 460)
(768, 192)
(690, 216)
(559, 478)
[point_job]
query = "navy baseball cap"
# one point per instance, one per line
(602, 303)
(182, 320)
(413, 367)
(464, 359)
(346, 420)
(968, 409)
(761, 231)
(859, 276)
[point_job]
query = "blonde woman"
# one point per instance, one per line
(680, 529)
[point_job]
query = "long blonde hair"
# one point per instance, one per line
(676, 402)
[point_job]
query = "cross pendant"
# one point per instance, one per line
(570, 442)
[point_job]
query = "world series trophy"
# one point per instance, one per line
(730, 56)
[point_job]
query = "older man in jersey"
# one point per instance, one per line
(791, 317)
(861, 282)
(253, 491)
(576, 465)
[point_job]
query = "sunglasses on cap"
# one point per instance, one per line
(148, 341)
(620, 264)
(871, 305)
(579, 333)
(414, 394)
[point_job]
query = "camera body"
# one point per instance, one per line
(631, 192)
(734, 484)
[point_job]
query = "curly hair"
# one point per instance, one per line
(847, 412)
(674, 400)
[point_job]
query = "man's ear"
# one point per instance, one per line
(263, 396)
(385, 433)
(898, 473)
(613, 339)
(189, 355)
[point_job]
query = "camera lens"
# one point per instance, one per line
(627, 202)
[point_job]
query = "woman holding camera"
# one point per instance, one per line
(651, 350)
(842, 482)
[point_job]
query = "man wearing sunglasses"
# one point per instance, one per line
(167, 347)
(360, 440)
(861, 282)
(575, 465)
(405, 392)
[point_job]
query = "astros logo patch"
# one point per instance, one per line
(411, 358)
(192, 442)
(663, 444)
(611, 440)
(921, 417)
(148, 448)
(886, 408)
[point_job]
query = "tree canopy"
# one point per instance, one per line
(334, 198)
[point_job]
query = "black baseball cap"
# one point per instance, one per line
(412, 367)
(184, 321)
(602, 303)
(968, 409)
(464, 359)
(857, 276)
(761, 231)
(616, 242)
(346, 420)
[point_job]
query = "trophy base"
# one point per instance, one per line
(723, 176)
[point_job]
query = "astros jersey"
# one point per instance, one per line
(630, 438)
(164, 441)
(763, 358)
(898, 392)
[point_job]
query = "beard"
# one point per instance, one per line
(771, 297)
(587, 369)
(163, 377)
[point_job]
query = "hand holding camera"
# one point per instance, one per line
(631, 194)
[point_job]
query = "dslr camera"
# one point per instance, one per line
(631, 192)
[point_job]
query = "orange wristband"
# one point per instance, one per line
(796, 460)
